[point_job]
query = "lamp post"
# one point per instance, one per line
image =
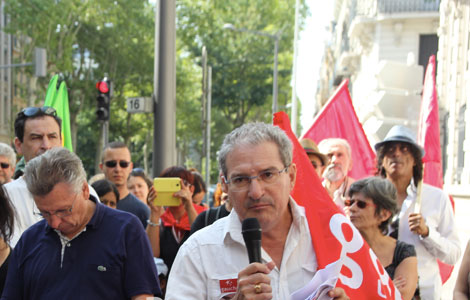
(276, 37)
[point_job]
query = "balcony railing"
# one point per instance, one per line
(405, 6)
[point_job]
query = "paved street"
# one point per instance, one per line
(462, 214)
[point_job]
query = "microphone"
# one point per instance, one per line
(251, 232)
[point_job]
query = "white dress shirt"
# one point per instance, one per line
(442, 242)
(208, 263)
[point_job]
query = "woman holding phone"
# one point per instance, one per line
(168, 228)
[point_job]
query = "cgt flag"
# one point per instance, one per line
(338, 244)
(338, 119)
(59, 100)
(429, 138)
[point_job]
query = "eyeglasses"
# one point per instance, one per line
(361, 204)
(5, 165)
(36, 111)
(243, 182)
(61, 213)
(113, 163)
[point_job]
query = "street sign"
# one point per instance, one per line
(139, 105)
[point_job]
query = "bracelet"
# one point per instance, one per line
(150, 223)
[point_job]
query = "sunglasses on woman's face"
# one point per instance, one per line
(361, 204)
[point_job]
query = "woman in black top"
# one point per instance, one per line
(6, 228)
(372, 204)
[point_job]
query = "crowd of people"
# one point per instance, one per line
(62, 236)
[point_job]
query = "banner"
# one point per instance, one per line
(338, 119)
(335, 239)
(59, 100)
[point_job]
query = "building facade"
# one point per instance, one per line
(453, 80)
(382, 47)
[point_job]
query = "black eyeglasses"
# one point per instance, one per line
(361, 204)
(113, 163)
(240, 183)
(5, 165)
(137, 171)
(37, 111)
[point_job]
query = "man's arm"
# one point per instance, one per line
(442, 240)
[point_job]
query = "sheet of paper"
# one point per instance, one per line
(323, 281)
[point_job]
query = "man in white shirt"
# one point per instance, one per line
(425, 218)
(335, 177)
(37, 129)
(258, 175)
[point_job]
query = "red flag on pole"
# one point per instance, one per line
(429, 138)
(338, 119)
(339, 247)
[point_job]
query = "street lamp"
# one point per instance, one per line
(276, 38)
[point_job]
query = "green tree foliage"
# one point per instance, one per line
(87, 39)
(242, 62)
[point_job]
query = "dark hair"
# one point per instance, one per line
(199, 184)
(139, 172)
(383, 194)
(178, 172)
(415, 152)
(104, 186)
(6, 216)
(21, 118)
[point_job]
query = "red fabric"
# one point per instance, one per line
(429, 138)
(169, 220)
(334, 237)
(338, 119)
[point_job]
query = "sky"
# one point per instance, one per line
(311, 46)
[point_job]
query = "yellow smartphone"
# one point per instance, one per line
(165, 188)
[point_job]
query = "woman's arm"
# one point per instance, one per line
(461, 285)
(153, 227)
(406, 277)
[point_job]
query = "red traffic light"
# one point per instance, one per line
(102, 86)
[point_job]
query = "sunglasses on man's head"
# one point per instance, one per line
(113, 163)
(5, 165)
(36, 111)
(361, 204)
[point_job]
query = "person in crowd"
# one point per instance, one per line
(81, 248)
(169, 228)
(200, 189)
(425, 214)
(372, 204)
(462, 285)
(6, 226)
(7, 163)
(139, 184)
(162, 274)
(217, 196)
(107, 191)
(335, 177)
(318, 159)
(211, 215)
(117, 165)
(37, 130)
(258, 175)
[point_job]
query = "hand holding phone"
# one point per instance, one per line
(165, 188)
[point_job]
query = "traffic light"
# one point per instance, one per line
(104, 98)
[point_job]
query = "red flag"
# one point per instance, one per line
(429, 139)
(338, 119)
(428, 128)
(334, 238)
